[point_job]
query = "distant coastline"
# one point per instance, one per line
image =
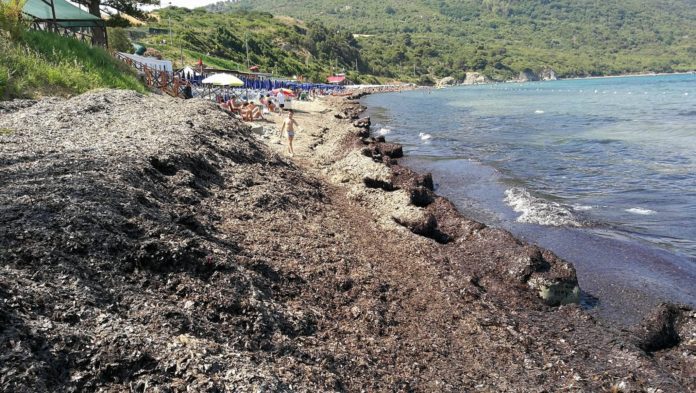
(632, 75)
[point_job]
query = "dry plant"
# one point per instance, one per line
(12, 21)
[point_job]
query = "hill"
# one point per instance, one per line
(503, 37)
(279, 45)
(39, 63)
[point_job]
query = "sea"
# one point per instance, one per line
(601, 171)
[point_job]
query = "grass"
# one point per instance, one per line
(6, 131)
(43, 64)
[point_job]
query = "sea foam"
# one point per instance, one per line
(641, 211)
(537, 210)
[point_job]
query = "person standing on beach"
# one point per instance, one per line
(289, 125)
(281, 100)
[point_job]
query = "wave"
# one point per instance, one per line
(539, 211)
(424, 136)
(384, 131)
(641, 211)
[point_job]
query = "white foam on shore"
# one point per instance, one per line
(537, 210)
(581, 208)
(641, 211)
(384, 131)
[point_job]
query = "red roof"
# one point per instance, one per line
(254, 68)
(336, 79)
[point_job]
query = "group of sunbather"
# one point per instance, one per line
(249, 111)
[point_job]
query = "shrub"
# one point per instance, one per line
(150, 52)
(11, 19)
(118, 40)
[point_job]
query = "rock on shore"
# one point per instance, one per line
(475, 78)
(150, 244)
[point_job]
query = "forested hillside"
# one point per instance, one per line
(411, 39)
(280, 45)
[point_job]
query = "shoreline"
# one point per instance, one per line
(350, 110)
(515, 81)
(216, 261)
(613, 288)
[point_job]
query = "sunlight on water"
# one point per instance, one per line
(626, 147)
(600, 171)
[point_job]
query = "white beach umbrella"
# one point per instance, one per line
(223, 80)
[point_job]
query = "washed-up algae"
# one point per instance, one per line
(152, 244)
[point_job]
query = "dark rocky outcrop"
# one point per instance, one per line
(527, 75)
(362, 123)
(668, 326)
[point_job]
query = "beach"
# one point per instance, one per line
(184, 251)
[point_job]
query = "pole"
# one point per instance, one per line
(53, 13)
(181, 51)
(170, 24)
(246, 43)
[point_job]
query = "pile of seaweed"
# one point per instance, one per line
(154, 245)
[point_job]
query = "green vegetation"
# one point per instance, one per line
(416, 39)
(6, 131)
(39, 63)
(278, 45)
(118, 40)
(11, 21)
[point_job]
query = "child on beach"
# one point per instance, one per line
(289, 125)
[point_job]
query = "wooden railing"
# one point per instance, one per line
(162, 80)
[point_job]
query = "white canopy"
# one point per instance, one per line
(190, 71)
(152, 62)
(223, 80)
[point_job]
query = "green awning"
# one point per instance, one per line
(67, 15)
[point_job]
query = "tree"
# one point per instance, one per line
(129, 7)
(118, 40)
(118, 21)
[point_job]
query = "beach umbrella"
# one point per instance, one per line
(223, 80)
(286, 92)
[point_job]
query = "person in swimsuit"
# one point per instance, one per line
(289, 125)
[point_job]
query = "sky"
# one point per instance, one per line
(187, 3)
(181, 3)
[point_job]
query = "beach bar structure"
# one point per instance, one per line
(63, 18)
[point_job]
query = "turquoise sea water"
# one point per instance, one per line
(601, 171)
